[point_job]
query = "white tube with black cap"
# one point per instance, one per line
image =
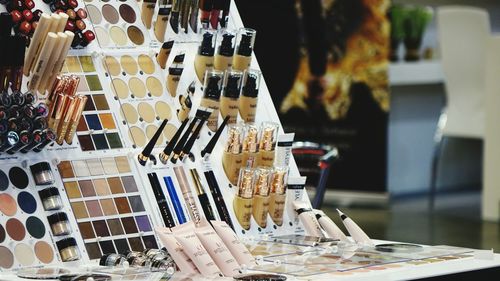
(355, 231)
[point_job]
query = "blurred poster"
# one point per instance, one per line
(325, 63)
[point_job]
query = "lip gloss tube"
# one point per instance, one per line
(186, 192)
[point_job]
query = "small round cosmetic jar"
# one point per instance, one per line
(59, 224)
(42, 173)
(112, 260)
(68, 249)
(51, 199)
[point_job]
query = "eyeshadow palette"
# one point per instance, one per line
(136, 82)
(108, 206)
(117, 24)
(25, 238)
(97, 129)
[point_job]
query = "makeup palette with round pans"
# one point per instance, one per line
(117, 24)
(135, 80)
(25, 238)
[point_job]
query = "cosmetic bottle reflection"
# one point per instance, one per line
(260, 208)
(232, 158)
(243, 202)
(277, 197)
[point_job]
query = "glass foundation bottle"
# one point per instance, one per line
(225, 49)
(230, 95)
(250, 146)
(277, 198)
(204, 59)
(244, 47)
(249, 95)
(268, 132)
(260, 208)
(243, 203)
(232, 158)
(211, 96)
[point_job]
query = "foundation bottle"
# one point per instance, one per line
(225, 49)
(277, 197)
(261, 196)
(242, 202)
(249, 95)
(204, 59)
(186, 103)
(161, 23)
(244, 48)
(250, 146)
(174, 74)
(230, 95)
(148, 8)
(268, 132)
(232, 158)
(211, 96)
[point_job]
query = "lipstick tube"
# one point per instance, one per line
(204, 59)
(244, 47)
(70, 106)
(75, 119)
(206, 8)
(48, 137)
(260, 208)
(232, 158)
(278, 185)
(230, 95)
(242, 202)
(267, 144)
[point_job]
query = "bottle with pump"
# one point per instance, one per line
(204, 59)
(250, 146)
(278, 184)
(243, 202)
(249, 95)
(211, 96)
(232, 158)
(230, 95)
(268, 133)
(225, 49)
(244, 47)
(186, 103)
(260, 208)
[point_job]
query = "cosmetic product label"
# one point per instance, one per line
(294, 192)
(229, 237)
(284, 150)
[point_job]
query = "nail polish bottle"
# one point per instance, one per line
(232, 158)
(230, 95)
(268, 133)
(260, 208)
(211, 96)
(225, 49)
(250, 146)
(249, 95)
(244, 47)
(243, 202)
(278, 184)
(204, 59)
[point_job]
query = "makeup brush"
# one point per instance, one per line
(194, 136)
(211, 144)
(180, 144)
(144, 155)
(165, 154)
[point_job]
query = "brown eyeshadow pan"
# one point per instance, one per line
(93, 250)
(72, 189)
(79, 210)
(87, 188)
(94, 208)
(101, 229)
(86, 230)
(108, 207)
(115, 185)
(127, 13)
(135, 35)
(115, 226)
(136, 244)
(122, 205)
(65, 169)
(129, 225)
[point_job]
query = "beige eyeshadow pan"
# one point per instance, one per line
(79, 210)
(101, 187)
(137, 87)
(137, 135)
(102, 36)
(118, 36)
(150, 131)
(109, 165)
(154, 86)
(146, 63)
(146, 112)
(163, 110)
(129, 113)
(129, 64)
(120, 88)
(122, 164)
(112, 65)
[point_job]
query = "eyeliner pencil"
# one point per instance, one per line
(202, 196)
(161, 200)
(175, 200)
(220, 204)
(211, 144)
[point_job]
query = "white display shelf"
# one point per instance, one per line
(415, 73)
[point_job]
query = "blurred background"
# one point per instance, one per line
(400, 89)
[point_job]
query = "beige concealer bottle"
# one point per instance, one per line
(225, 49)
(249, 95)
(260, 208)
(250, 146)
(268, 132)
(277, 198)
(174, 74)
(161, 23)
(204, 59)
(232, 158)
(186, 103)
(242, 203)
(211, 96)
(164, 53)
(244, 47)
(230, 94)
(147, 11)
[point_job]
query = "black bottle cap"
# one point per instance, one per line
(57, 217)
(164, 11)
(5, 25)
(212, 90)
(168, 44)
(65, 243)
(179, 58)
(206, 48)
(232, 89)
(226, 47)
(48, 192)
(245, 47)
(40, 167)
(250, 88)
